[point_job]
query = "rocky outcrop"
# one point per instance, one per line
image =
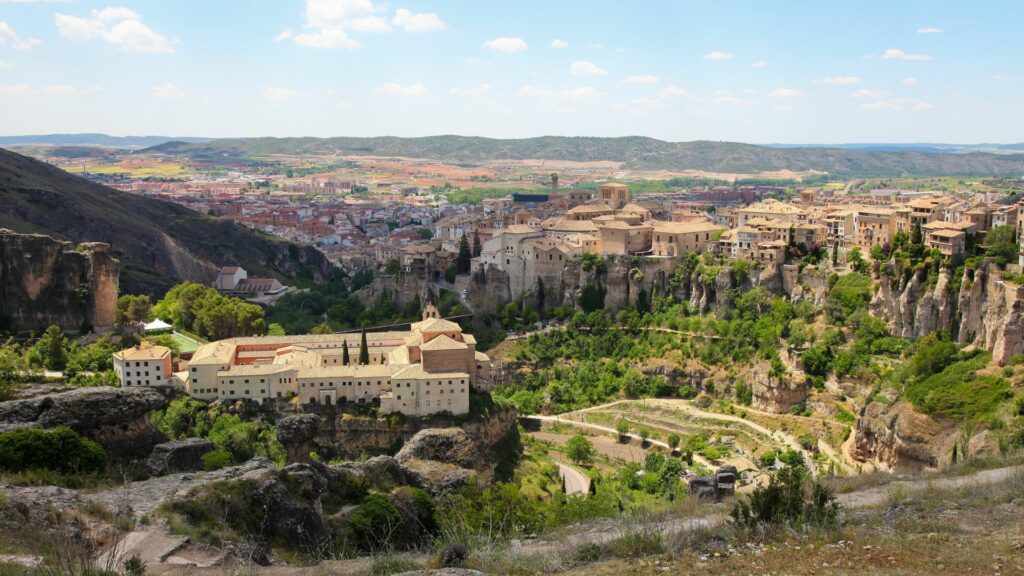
(980, 308)
(774, 393)
(116, 418)
(179, 456)
(716, 487)
(440, 459)
(44, 281)
(297, 434)
(903, 438)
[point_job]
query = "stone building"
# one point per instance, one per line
(144, 365)
(427, 369)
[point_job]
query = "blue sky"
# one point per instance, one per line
(757, 71)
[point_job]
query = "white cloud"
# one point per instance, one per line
(1002, 77)
(474, 91)
(786, 93)
(650, 103)
(759, 64)
(274, 94)
(325, 38)
(355, 15)
(865, 93)
(911, 81)
(16, 90)
(929, 30)
(718, 55)
(672, 92)
(8, 35)
(556, 43)
(896, 104)
(895, 54)
(642, 79)
(118, 26)
(424, 22)
(169, 91)
(396, 89)
(581, 93)
(584, 68)
(284, 35)
(507, 44)
(838, 80)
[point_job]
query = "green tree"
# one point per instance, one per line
(275, 329)
(580, 450)
(375, 523)
(673, 441)
(131, 310)
(1001, 245)
(835, 254)
(393, 266)
(344, 352)
(463, 261)
(52, 348)
(645, 434)
(364, 350)
(622, 427)
(321, 328)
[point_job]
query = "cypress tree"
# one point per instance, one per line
(463, 260)
(344, 352)
(364, 351)
(477, 248)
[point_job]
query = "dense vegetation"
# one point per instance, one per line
(58, 450)
(237, 440)
(208, 313)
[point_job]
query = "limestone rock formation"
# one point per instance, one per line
(902, 437)
(716, 487)
(440, 459)
(297, 433)
(179, 456)
(114, 417)
(44, 281)
(776, 394)
(980, 308)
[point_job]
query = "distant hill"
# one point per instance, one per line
(159, 243)
(91, 140)
(634, 152)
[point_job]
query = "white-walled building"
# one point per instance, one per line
(144, 365)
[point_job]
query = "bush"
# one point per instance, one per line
(786, 500)
(374, 523)
(453, 555)
(580, 450)
(60, 450)
(219, 458)
(388, 565)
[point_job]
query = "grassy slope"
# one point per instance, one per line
(634, 151)
(158, 242)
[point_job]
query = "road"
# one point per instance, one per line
(576, 482)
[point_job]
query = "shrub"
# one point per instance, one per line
(217, 459)
(453, 555)
(388, 565)
(590, 552)
(59, 449)
(580, 450)
(374, 523)
(786, 500)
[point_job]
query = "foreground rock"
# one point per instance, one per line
(179, 456)
(440, 460)
(116, 418)
(716, 487)
(903, 438)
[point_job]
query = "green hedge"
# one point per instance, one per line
(59, 449)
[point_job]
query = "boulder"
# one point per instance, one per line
(179, 456)
(447, 445)
(382, 471)
(297, 434)
(722, 484)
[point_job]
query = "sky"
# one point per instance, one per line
(757, 71)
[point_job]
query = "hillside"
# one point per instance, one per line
(90, 140)
(158, 243)
(634, 152)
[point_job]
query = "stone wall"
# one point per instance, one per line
(45, 281)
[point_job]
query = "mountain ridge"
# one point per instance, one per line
(634, 152)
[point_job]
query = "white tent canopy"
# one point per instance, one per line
(157, 325)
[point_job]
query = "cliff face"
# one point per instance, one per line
(903, 438)
(44, 281)
(979, 308)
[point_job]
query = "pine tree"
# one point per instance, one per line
(835, 253)
(463, 260)
(364, 350)
(344, 352)
(477, 248)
